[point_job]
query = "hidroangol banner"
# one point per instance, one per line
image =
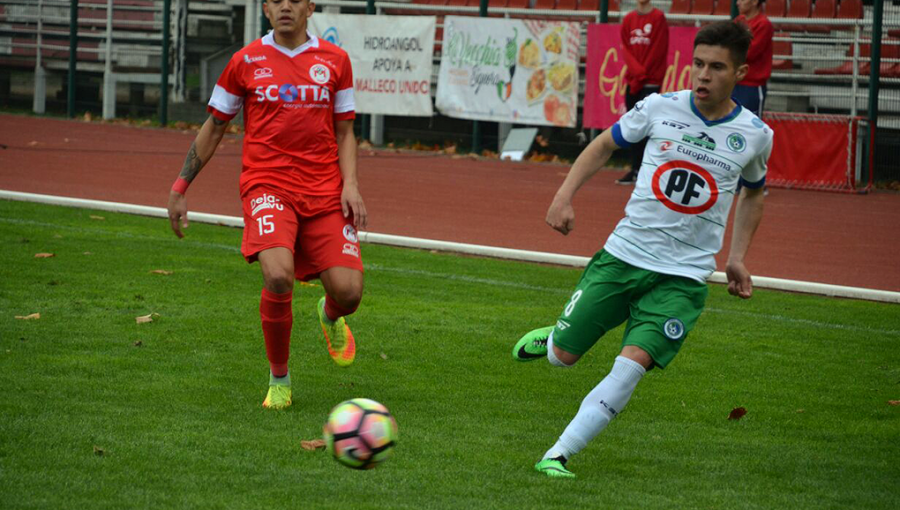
(506, 70)
(391, 58)
(604, 89)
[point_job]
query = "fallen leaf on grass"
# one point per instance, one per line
(312, 445)
(307, 284)
(161, 271)
(146, 318)
(57, 236)
(44, 255)
(88, 253)
(29, 317)
(894, 402)
(99, 451)
(737, 413)
(383, 356)
(138, 343)
(801, 410)
(95, 217)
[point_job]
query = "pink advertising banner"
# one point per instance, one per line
(604, 89)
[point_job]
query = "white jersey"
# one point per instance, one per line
(675, 219)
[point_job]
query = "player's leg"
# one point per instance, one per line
(598, 304)
(614, 289)
(343, 292)
(328, 248)
(270, 228)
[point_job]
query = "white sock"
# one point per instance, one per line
(551, 356)
(598, 408)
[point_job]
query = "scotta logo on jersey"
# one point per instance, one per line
(350, 234)
(319, 74)
(684, 187)
(249, 60)
(736, 142)
(291, 93)
(262, 72)
(674, 329)
(264, 202)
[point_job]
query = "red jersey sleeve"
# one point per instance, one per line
(228, 94)
(344, 102)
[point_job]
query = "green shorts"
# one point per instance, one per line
(660, 309)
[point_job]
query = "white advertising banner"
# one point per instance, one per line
(505, 70)
(391, 57)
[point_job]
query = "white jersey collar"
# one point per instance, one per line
(313, 42)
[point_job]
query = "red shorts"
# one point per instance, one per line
(313, 228)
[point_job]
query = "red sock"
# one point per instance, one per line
(277, 318)
(334, 310)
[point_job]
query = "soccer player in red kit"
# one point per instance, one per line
(298, 182)
(645, 43)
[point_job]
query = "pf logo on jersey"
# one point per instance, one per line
(319, 74)
(685, 187)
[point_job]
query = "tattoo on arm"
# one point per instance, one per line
(192, 164)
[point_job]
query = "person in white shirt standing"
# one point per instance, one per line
(653, 268)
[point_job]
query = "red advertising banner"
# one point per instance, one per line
(604, 90)
(812, 151)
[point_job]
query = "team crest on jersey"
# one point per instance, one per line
(350, 234)
(685, 187)
(674, 329)
(319, 74)
(736, 142)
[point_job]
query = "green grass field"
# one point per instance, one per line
(179, 422)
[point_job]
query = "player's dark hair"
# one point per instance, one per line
(729, 35)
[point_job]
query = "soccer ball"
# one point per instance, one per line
(360, 433)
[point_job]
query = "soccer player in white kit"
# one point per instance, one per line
(653, 268)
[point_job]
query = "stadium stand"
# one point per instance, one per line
(781, 49)
(703, 7)
(822, 9)
(775, 8)
(567, 5)
(723, 8)
(846, 67)
(850, 9)
(798, 9)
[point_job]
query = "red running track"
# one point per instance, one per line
(811, 236)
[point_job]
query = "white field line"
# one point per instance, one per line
(471, 249)
(460, 278)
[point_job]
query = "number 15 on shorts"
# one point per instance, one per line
(265, 224)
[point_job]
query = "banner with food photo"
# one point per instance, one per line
(391, 58)
(604, 85)
(504, 70)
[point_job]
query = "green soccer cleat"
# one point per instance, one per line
(338, 338)
(279, 396)
(533, 345)
(553, 468)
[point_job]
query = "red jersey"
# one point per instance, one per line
(645, 41)
(759, 56)
(291, 100)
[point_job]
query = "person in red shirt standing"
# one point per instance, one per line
(298, 182)
(645, 43)
(751, 91)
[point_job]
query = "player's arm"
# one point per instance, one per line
(747, 216)
(561, 215)
(201, 151)
(351, 200)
